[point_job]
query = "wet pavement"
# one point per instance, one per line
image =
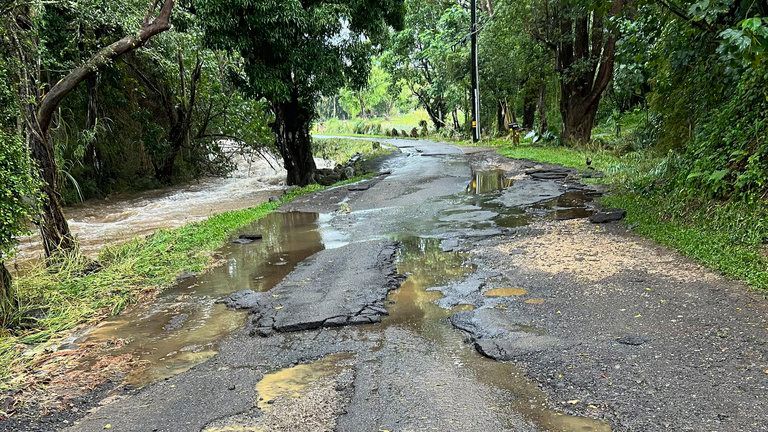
(510, 312)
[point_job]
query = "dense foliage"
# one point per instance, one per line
(686, 76)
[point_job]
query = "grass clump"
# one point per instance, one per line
(341, 150)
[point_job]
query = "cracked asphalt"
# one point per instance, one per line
(594, 330)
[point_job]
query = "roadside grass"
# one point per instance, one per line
(64, 297)
(340, 149)
(377, 126)
(724, 236)
(727, 236)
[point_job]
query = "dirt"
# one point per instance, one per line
(593, 254)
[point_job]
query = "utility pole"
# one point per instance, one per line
(475, 77)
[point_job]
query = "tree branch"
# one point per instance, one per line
(61, 89)
(681, 13)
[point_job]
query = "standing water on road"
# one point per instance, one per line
(414, 306)
(183, 326)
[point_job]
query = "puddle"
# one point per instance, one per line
(292, 382)
(488, 181)
(414, 307)
(304, 398)
(505, 292)
(535, 301)
(570, 205)
(426, 266)
(485, 188)
(182, 327)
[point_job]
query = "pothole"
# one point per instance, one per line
(505, 292)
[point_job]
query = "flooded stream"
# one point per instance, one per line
(121, 217)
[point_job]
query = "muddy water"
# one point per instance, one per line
(122, 217)
(292, 382)
(486, 181)
(414, 307)
(183, 326)
(485, 186)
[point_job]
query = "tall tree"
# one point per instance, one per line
(431, 56)
(585, 46)
(38, 107)
(295, 51)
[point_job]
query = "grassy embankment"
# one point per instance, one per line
(727, 236)
(64, 298)
(373, 126)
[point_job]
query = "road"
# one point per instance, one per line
(464, 291)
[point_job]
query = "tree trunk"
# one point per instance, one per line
(54, 229)
(501, 117)
(542, 108)
(578, 120)
(39, 109)
(9, 304)
(178, 137)
(180, 111)
(585, 59)
(436, 114)
(529, 110)
(455, 115)
(291, 128)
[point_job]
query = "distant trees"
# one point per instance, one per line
(430, 56)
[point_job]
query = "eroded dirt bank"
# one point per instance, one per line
(513, 312)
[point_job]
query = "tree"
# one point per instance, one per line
(38, 107)
(17, 205)
(375, 98)
(296, 51)
(584, 43)
(513, 66)
(430, 55)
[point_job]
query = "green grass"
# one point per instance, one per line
(722, 236)
(375, 126)
(64, 298)
(340, 150)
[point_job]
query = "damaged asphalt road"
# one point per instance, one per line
(483, 299)
(334, 287)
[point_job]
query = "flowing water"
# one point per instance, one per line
(119, 218)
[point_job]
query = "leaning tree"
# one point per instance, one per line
(23, 21)
(295, 51)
